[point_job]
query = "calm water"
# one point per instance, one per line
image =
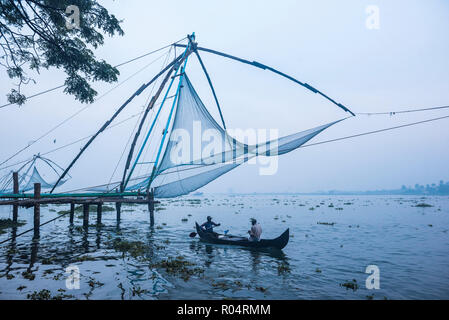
(409, 244)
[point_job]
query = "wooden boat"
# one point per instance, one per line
(278, 243)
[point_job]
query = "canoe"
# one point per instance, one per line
(278, 243)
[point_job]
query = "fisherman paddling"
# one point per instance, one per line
(209, 225)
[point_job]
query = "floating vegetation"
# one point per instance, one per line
(423, 205)
(47, 261)
(134, 248)
(350, 285)
(21, 288)
(326, 223)
(46, 295)
(84, 258)
(41, 295)
(28, 275)
(138, 291)
(8, 223)
(179, 267)
(318, 270)
(283, 268)
(261, 289)
(221, 285)
(160, 208)
(311, 208)
(94, 284)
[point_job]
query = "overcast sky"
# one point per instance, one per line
(402, 65)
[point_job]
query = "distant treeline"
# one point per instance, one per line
(430, 189)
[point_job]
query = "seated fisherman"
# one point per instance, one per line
(256, 231)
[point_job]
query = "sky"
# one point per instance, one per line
(400, 65)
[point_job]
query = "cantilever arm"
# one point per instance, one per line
(264, 67)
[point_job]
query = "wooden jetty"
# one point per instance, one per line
(37, 199)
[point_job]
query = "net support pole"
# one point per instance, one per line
(72, 212)
(85, 215)
(99, 213)
(37, 210)
(107, 123)
(15, 207)
(151, 206)
(118, 209)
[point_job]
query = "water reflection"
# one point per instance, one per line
(34, 251)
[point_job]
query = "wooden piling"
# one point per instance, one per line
(151, 206)
(99, 212)
(15, 208)
(85, 215)
(72, 212)
(37, 209)
(118, 207)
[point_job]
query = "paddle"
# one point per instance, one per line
(193, 234)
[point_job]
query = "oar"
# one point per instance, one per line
(193, 234)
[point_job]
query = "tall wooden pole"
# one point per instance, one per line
(151, 206)
(99, 212)
(85, 215)
(72, 212)
(37, 210)
(118, 208)
(15, 208)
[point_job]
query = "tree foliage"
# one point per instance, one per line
(34, 34)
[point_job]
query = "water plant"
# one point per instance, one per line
(423, 205)
(350, 285)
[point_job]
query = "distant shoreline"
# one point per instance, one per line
(440, 189)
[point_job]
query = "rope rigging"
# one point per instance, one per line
(79, 111)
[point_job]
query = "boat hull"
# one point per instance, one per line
(278, 243)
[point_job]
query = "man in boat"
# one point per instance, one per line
(209, 225)
(256, 231)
